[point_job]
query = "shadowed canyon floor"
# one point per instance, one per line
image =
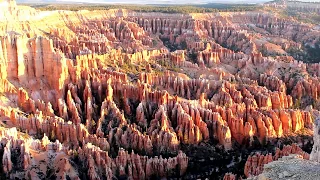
(118, 94)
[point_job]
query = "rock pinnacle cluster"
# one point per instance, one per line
(118, 94)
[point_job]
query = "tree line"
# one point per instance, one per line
(206, 8)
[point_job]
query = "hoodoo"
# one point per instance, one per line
(126, 94)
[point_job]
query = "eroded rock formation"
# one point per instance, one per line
(105, 90)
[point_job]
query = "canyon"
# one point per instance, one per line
(119, 94)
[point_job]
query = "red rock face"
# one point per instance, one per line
(229, 176)
(254, 164)
(108, 91)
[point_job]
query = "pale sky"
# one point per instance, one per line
(160, 1)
